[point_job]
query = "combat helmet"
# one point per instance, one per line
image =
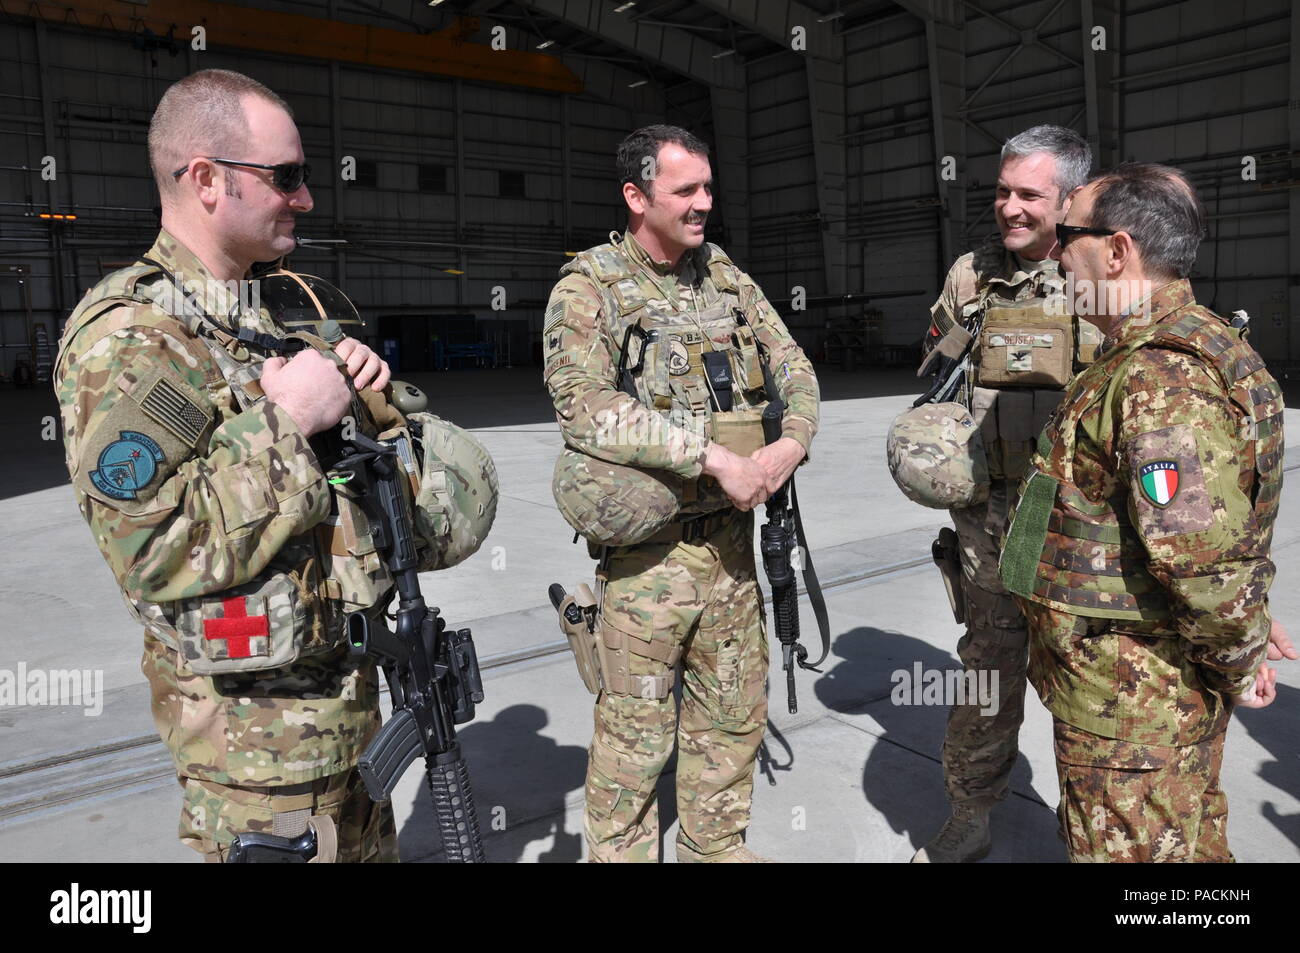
(457, 502)
(936, 456)
(613, 505)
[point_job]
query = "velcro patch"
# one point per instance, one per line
(557, 362)
(127, 465)
(1022, 339)
(169, 406)
(1168, 485)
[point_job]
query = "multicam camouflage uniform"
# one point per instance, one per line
(689, 592)
(979, 750)
(219, 524)
(1140, 553)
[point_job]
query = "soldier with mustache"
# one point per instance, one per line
(656, 350)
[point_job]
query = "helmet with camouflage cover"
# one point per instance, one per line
(936, 456)
(457, 502)
(613, 505)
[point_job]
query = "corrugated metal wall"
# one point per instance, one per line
(1196, 84)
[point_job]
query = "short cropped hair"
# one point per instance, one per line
(646, 143)
(1069, 149)
(1159, 207)
(201, 114)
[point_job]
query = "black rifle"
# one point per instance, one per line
(777, 540)
(949, 370)
(433, 674)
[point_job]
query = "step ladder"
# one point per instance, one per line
(42, 359)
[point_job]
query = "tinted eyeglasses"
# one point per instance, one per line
(1065, 232)
(287, 176)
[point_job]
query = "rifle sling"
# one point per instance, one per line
(811, 584)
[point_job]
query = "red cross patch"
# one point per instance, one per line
(237, 627)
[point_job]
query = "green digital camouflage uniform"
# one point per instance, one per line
(665, 601)
(979, 749)
(193, 499)
(1140, 553)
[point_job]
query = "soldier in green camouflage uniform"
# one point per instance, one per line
(206, 497)
(1140, 543)
(1040, 168)
(688, 593)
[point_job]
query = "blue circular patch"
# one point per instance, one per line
(127, 465)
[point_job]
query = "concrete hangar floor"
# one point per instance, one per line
(856, 777)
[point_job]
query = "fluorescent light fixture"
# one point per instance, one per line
(545, 43)
(434, 3)
(831, 16)
(624, 7)
(718, 56)
(639, 82)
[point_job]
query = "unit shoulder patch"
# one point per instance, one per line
(127, 465)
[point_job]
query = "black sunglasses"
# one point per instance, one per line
(287, 176)
(1065, 232)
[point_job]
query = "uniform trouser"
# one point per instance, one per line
(700, 601)
(212, 814)
(1140, 803)
(979, 750)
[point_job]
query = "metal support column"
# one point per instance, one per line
(51, 199)
(946, 52)
(731, 135)
(566, 174)
(459, 126)
(826, 116)
(1293, 238)
(1100, 95)
(336, 180)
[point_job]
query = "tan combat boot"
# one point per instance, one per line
(741, 855)
(963, 839)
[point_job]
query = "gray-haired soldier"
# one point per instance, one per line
(1008, 295)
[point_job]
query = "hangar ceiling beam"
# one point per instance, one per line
(604, 80)
(445, 53)
(672, 48)
(777, 22)
(947, 12)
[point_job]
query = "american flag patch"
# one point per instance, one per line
(168, 406)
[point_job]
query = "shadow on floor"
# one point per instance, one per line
(1024, 829)
(517, 775)
(1274, 728)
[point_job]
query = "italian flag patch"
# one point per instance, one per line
(1159, 481)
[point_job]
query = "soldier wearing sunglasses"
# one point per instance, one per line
(1139, 548)
(189, 447)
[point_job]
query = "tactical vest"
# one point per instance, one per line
(1086, 558)
(666, 349)
(316, 578)
(1027, 350)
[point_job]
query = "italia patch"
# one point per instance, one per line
(1159, 481)
(127, 465)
